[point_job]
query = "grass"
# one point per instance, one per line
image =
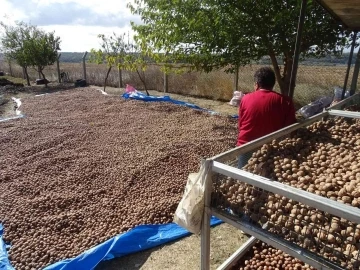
(14, 79)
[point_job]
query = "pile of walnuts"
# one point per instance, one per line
(264, 257)
(82, 167)
(324, 159)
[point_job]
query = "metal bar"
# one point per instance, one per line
(344, 113)
(205, 226)
(84, 65)
(297, 48)
(58, 67)
(349, 65)
(321, 203)
(355, 75)
(237, 255)
(235, 152)
(277, 242)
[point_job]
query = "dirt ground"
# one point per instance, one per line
(183, 254)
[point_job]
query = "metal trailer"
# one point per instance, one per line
(223, 168)
(297, 244)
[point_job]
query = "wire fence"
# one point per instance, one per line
(312, 81)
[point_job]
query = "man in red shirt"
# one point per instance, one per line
(263, 111)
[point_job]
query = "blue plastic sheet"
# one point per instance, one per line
(141, 96)
(4, 261)
(138, 239)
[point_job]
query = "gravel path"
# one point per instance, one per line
(83, 167)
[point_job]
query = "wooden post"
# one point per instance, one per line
(236, 78)
(166, 82)
(10, 69)
(120, 78)
(355, 75)
(84, 66)
(58, 67)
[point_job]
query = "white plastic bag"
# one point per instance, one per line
(237, 96)
(190, 210)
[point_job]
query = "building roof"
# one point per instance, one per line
(345, 11)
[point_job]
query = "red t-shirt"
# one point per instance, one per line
(263, 112)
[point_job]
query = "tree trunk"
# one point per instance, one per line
(288, 61)
(43, 75)
(107, 76)
(143, 81)
(278, 76)
(27, 76)
(284, 78)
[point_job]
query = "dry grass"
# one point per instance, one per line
(313, 81)
(183, 254)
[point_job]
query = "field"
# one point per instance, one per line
(82, 167)
(312, 83)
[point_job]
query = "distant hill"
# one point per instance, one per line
(72, 57)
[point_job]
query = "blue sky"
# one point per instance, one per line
(77, 22)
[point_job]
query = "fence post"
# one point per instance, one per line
(120, 78)
(236, 78)
(355, 75)
(10, 69)
(84, 65)
(58, 67)
(166, 82)
(349, 65)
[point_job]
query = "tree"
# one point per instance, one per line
(12, 44)
(42, 49)
(211, 34)
(116, 52)
(136, 60)
(112, 52)
(29, 47)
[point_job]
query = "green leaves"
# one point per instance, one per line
(211, 34)
(29, 46)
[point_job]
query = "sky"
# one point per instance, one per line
(76, 22)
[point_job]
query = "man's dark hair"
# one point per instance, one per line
(265, 78)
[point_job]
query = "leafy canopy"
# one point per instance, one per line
(212, 34)
(29, 46)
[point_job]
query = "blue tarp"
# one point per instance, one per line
(138, 239)
(141, 96)
(4, 261)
